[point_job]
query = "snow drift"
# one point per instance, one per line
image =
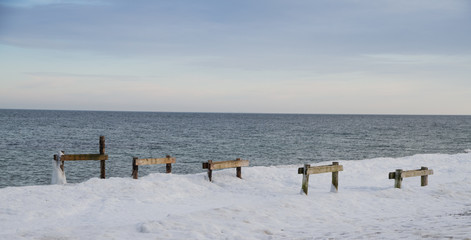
(265, 204)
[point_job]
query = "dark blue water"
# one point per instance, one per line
(30, 138)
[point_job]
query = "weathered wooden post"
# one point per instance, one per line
(424, 178)
(135, 168)
(398, 178)
(168, 166)
(335, 178)
(305, 185)
(210, 171)
(102, 151)
(239, 170)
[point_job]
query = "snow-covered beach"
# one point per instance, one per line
(265, 204)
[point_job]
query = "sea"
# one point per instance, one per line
(30, 138)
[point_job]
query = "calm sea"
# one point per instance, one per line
(30, 138)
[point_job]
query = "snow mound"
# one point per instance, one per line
(265, 204)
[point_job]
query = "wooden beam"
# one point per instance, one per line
(416, 173)
(321, 169)
(151, 161)
(229, 164)
(412, 173)
(80, 157)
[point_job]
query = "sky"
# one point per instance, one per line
(251, 56)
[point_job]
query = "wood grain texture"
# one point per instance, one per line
(416, 173)
(228, 164)
(305, 183)
(102, 162)
(412, 173)
(80, 157)
(135, 169)
(324, 169)
(151, 161)
(335, 177)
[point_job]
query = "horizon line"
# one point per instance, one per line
(209, 112)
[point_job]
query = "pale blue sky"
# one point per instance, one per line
(296, 56)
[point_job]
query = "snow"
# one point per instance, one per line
(58, 176)
(265, 204)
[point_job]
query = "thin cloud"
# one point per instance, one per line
(91, 77)
(326, 55)
(34, 3)
(219, 28)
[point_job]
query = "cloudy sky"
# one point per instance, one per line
(267, 56)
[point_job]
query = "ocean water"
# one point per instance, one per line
(30, 138)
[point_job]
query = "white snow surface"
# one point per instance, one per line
(58, 176)
(265, 204)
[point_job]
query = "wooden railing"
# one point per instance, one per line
(136, 162)
(85, 157)
(399, 174)
(238, 164)
(307, 170)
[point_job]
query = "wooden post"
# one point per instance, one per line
(102, 151)
(239, 170)
(424, 178)
(210, 172)
(335, 178)
(135, 168)
(305, 185)
(398, 178)
(168, 166)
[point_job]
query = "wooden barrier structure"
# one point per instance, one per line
(398, 176)
(238, 164)
(81, 157)
(136, 162)
(307, 170)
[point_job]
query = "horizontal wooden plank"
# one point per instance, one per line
(80, 157)
(151, 161)
(412, 173)
(416, 173)
(324, 169)
(229, 164)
